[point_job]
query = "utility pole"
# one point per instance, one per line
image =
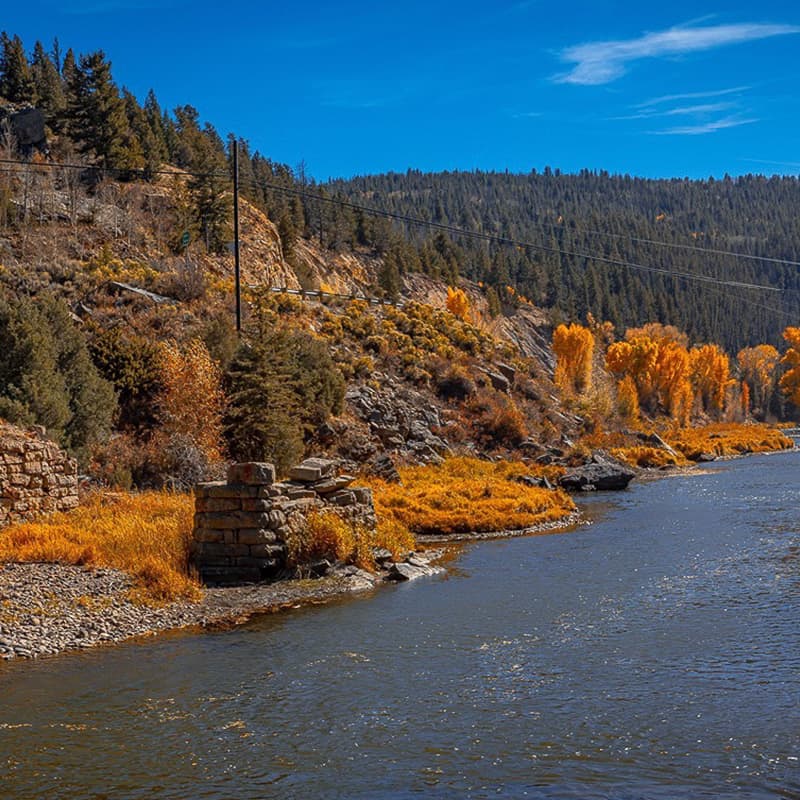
(236, 274)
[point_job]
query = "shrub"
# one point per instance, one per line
(327, 535)
(47, 376)
(499, 420)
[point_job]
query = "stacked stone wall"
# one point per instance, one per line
(36, 476)
(242, 526)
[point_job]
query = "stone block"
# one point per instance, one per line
(254, 504)
(208, 535)
(255, 536)
(215, 504)
(312, 469)
(299, 494)
(252, 473)
(224, 491)
(343, 498)
(329, 485)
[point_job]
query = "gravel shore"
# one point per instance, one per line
(46, 609)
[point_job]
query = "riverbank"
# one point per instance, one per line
(47, 609)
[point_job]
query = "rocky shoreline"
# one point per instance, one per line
(46, 609)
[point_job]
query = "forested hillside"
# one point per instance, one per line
(598, 214)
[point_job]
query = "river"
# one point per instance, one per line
(652, 654)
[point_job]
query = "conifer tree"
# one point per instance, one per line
(48, 85)
(16, 81)
(96, 113)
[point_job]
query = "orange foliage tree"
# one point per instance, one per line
(790, 382)
(573, 346)
(192, 400)
(659, 368)
(710, 375)
(758, 367)
(457, 303)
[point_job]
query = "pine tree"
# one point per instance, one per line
(48, 86)
(96, 113)
(16, 81)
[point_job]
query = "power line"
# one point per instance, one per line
(488, 237)
(453, 229)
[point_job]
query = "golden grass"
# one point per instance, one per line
(648, 457)
(465, 495)
(146, 535)
(329, 536)
(727, 439)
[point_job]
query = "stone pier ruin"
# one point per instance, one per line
(36, 475)
(242, 525)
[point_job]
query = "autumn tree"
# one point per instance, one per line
(659, 367)
(790, 382)
(457, 303)
(710, 376)
(190, 412)
(573, 346)
(758, 367)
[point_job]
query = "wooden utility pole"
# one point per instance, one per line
(236, 274)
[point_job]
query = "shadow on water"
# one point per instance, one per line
(652, 654)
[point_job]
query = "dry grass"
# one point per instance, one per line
(649, 457)
(465, 495)
(146, 535)
(329, 536)
(727, 439)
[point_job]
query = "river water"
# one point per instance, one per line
(652, 654)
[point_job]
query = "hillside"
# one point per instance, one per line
(611, 216)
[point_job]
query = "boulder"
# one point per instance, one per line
(601, 475)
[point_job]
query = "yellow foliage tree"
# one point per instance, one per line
(457, 303)
(758, 366)
(710, 375)
(192, 401)
(658, 367)
(790, 382)
(573, 346)
(628, 398)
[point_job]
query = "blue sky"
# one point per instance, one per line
(652, 89)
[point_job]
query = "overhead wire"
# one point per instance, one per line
(444, 227)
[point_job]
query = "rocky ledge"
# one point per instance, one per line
(46, 609)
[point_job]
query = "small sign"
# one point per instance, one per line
(185, 239)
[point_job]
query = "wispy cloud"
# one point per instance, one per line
(677, 98)
(791, 164)
(680, 111)
(706, 127)
(598, 63)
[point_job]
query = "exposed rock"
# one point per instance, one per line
(602, 474)
(498, 380)
(383, 467)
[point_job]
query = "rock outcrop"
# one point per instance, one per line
(36, 476)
